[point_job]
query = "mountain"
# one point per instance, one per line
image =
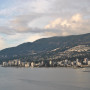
(44, 45)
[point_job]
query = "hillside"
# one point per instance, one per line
(44, 45)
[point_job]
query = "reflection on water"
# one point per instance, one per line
(86, 69)
(44, 79)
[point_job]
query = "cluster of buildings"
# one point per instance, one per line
(49, 63)
(80, 48)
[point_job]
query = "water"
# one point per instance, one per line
(44, 79)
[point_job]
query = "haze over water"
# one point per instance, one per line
(44, 79)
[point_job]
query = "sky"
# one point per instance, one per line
(28, 20)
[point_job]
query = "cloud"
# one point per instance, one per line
(59, 26)
(77, 18)
(6, 30)
(2, 43)
(31, 16)
(7, 11)
(20, 23)
(20, 7)
(70, 6)
(74, 25)
(32, 23)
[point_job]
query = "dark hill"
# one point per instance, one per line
(45, 44)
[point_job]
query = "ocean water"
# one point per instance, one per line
(44, 79)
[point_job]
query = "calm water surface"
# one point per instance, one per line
(44, 79)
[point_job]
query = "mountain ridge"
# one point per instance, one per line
(44, 45)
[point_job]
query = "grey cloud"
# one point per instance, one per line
(70, 7)
(74, 25)
(57, 8)
(6, 30)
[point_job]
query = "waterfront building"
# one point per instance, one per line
(5, 64)
(27, 64)
(51, 63)
(72, 63)
(42, 63)
(23, 64)
(85, 61)
(19, 62)
(65, 62)
(12, 63)
(32, 64)
(15, 62)
(88, 63)
(9, 63)
(78, 63)
(47, 63)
